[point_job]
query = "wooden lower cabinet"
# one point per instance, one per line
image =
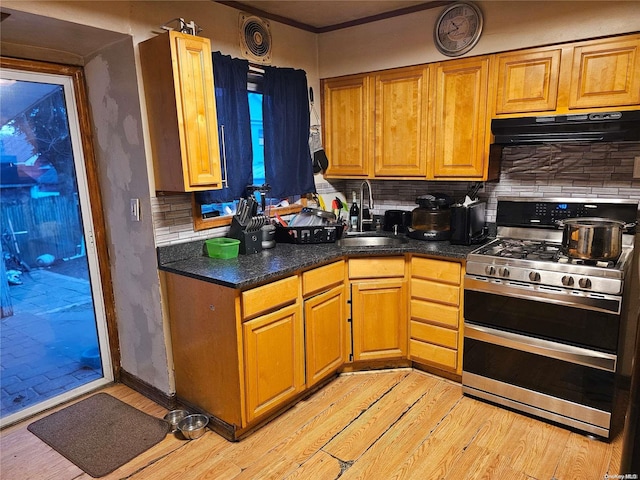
(273, 360)
(242, 356)
(436, 326)
(379, 319)
(378, 308)
(325, 318)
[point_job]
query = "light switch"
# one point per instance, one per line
(134, 210)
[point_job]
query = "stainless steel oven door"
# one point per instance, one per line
(586, 320)
(568, 385)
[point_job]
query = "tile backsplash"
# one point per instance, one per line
(599, 170)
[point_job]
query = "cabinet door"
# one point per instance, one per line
(325, 319)
(527, 81)
(183, 127)
(401, 133)
(605, 74)
(347, 125)
(379, 319)
(274, 360)
(461, 120)
(198, 122)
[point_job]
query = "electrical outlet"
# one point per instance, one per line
(134, 210)
(636, 167)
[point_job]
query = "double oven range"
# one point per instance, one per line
(542, 330)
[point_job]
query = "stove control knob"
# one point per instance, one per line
(534, 276)
(584, 283)
(490, 270)
(503, 272)
(567, 281)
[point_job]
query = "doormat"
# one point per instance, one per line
(100, 434)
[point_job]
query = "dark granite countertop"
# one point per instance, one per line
(246, 271)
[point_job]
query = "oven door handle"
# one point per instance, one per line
(559, 351)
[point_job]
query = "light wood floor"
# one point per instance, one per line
(400, 424)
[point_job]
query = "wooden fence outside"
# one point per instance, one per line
(47, 225)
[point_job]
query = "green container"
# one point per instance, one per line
(222, 247)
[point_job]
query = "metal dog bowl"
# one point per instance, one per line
(193, 426)
(174, 417)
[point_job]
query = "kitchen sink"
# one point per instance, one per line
(370, 241)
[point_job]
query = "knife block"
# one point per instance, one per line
(250, 242)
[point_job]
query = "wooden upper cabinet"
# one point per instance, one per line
(178, 82)
(605, 73)
(461, 120)
(400, 119)
(527, 81)
(347, 120)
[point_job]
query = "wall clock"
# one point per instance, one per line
(458, 29)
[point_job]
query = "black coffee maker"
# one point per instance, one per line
(432, 219)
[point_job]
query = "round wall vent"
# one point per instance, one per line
(255, 39)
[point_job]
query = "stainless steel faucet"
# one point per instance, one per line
(361, 220)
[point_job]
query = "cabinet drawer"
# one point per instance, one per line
(321, 278)
(428, 353)
(439, 270)
(446, 315)
(438, 292)
(376, 267)
(269, 297)
(434, 334)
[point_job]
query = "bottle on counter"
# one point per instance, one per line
(354, 214)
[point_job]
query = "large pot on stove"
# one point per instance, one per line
(593, 238)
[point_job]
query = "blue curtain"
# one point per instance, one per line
(232, 104)
(285, 109)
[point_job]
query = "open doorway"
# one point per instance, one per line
(53, 331)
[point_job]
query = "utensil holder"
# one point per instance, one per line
(250, 242)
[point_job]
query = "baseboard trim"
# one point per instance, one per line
(168, 401)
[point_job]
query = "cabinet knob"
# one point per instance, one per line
(212, 308)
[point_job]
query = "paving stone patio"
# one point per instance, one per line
(42, 343)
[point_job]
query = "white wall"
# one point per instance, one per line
(508, 25)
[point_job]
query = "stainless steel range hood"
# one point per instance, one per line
(589, 127)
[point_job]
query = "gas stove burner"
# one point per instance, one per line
(524, 249)
(583, 261)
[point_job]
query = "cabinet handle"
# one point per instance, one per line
(224, 158)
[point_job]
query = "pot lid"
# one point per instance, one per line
(593, 222)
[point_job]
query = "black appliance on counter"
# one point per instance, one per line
(542, 329)
(468, 223)
(432, 219)
(396, 221)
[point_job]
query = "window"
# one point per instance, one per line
(218, 214)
